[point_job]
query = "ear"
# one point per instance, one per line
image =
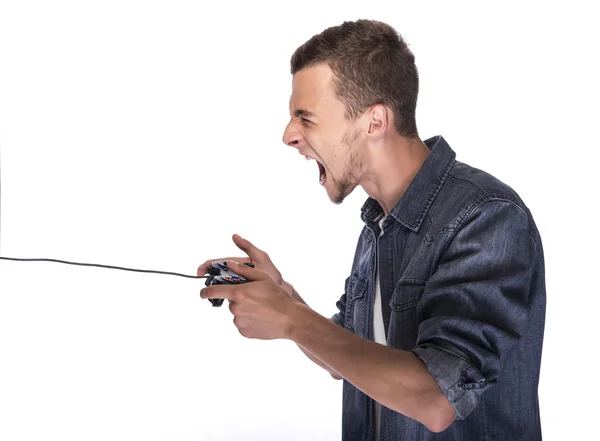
(377, 120)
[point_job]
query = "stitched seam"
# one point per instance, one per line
(467, 214)
(468, 183)
(411, 281)
(403, 306)
(431, 196)
(352, 296)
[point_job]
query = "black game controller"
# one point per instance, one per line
(220, 274)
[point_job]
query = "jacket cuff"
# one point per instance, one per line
(460, 381)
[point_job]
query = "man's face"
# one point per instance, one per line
(319, 130)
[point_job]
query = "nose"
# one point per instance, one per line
(292, 136)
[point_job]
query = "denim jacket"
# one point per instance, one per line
(463, 287)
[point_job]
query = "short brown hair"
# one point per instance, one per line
(372, 65)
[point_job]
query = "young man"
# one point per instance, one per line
(438, 335)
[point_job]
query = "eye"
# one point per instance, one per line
(305, 121)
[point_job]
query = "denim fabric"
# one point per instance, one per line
(463, 287)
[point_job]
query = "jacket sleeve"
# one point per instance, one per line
(475, 305)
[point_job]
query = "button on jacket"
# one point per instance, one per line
(461, 269)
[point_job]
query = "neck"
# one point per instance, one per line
(391, 168)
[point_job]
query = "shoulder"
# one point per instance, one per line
(469, 192)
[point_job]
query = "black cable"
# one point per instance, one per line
(84, 264)
(103, 266)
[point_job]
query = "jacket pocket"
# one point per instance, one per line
(356, 305)
(404, 326)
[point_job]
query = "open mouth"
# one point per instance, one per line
(322, 172)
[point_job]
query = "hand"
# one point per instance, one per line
(261, 261)
(262, 309)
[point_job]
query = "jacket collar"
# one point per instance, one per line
(413, 206)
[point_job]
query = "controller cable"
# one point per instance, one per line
(85, 264)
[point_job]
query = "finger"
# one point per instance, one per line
(235, 307)
(203, 269)
(244, 325)
(247, 272)
(255, 253)
(227, 292)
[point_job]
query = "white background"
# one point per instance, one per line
(145, 133)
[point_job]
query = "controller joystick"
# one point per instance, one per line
(220, 274)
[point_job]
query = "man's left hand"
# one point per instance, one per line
(261, 308)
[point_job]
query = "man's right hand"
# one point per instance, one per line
(258, 257)
(262, 262)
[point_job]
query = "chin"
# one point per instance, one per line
(340, 193)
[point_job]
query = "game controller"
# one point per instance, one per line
(220, 274)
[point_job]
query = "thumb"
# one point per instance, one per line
(249, 248)
(247, 272)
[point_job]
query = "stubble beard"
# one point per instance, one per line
(354, 166)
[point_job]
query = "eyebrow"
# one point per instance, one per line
(303, 112)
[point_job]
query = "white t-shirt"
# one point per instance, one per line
(378, 328)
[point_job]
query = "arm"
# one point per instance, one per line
(290, 289)
(472, 311)
(403, 382)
